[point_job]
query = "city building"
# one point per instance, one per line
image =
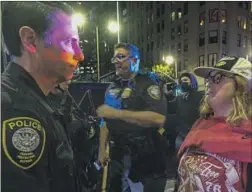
(194, 33)
(100, 15)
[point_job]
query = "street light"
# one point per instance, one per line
(78, 19)
(170, 60)
(113, 27)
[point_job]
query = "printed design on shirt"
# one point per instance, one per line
(205, 172)
(23, 140)
(154, 92)
(126, 93)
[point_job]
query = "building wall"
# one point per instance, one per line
(144, 19)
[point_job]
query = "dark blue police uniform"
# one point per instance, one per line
(36, 149)
(143, 144)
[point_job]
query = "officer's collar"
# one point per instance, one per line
(19, 74)
(120, 79)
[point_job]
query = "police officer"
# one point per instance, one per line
(134, 106)
(36, 150)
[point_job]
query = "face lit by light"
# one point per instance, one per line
(223, 92)
(62, 51)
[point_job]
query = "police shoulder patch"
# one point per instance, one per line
(154, 92)
(23, 140)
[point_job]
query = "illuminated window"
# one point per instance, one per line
(212, 59)
(201, 61)
(242, 22)
(245, 40)
(244, 26)
(179, 13)
(239, 21)
(224, 16)
(173, 15)
(202, 19)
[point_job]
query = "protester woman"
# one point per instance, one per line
(216, 155)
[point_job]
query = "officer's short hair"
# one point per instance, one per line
(33, 14)
(132, 49)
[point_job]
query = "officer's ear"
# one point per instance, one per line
(28, 38)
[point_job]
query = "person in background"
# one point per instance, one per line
(187, 105)
(134, 103)
(216, 155)
(169, 90)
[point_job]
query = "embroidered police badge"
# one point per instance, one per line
(126, 93)
(154, 92)
(23, 141)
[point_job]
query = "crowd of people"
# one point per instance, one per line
(50, 145)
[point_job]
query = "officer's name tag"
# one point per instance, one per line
(23, 141)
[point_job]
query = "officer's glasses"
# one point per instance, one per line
(216, 78)
(120, 58)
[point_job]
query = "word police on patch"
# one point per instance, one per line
(154, 92)
(23, 141)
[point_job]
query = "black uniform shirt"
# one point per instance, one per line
(138, 94)
(36, 152)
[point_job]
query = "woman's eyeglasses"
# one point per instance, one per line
(216, 79)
